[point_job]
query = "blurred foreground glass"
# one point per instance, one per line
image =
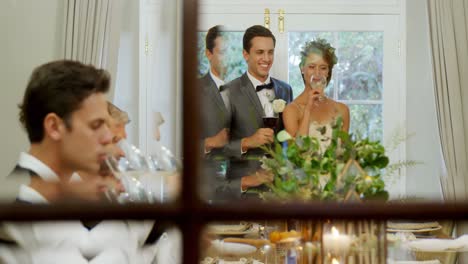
(146, 179)
(106, 241)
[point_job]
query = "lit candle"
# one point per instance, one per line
(335, 242)
(334, 261)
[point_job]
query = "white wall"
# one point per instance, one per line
(31, 34)
(126, 80)
(159, 75)
(147, 81)
(421, 180)
(163, 89)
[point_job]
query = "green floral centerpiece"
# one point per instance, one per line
(347, 169)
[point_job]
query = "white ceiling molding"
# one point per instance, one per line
(301, 6)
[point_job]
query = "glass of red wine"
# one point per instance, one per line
(270, 119)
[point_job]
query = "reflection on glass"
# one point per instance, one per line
(234, 61)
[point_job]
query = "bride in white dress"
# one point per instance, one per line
(312, 113)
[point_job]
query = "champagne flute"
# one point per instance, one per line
(132, 170)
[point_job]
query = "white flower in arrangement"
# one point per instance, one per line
(279, 105)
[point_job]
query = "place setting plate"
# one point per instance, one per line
(421, 230)
(413, 226)
(230, 229)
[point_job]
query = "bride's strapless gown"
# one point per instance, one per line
(321, 131)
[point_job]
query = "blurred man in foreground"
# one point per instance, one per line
(65, 113)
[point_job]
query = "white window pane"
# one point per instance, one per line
(366, 121)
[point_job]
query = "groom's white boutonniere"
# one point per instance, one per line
(278, 105)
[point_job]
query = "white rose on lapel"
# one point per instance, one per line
(279, 105)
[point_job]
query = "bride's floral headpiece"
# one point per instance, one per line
(320, 46)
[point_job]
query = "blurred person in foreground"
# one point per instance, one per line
(66, 116)
(86, 186)
(64, 112)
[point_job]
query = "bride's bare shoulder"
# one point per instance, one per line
(341, 107)
(292, 108)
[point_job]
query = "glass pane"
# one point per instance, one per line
(366, 121)
(359, 71)
(236, 65)
(358, 74)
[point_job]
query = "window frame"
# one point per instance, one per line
(190, 213)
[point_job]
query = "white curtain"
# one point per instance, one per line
(92, 33)
(448, 20)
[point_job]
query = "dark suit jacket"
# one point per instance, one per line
(214, 117)
(246, 117)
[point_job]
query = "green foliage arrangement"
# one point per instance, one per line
(302, 171)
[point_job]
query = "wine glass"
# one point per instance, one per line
(137, 174)
(164, 160)
(318, 83)
(270, 119)
(168, 168)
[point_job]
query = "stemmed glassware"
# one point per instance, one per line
(317, 83)
(144, 178)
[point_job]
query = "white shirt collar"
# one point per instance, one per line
(28, 194)
(30, 162)
(256, 82)
(217, 80)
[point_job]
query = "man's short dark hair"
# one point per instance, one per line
(211, 36)
(256, 31)
(58, 87)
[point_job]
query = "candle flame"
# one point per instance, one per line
(335, 231)
(334, 261)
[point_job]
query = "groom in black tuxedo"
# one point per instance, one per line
(214, 119)
(248, 96)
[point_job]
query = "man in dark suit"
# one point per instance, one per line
(215, 119)
(248, 96)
